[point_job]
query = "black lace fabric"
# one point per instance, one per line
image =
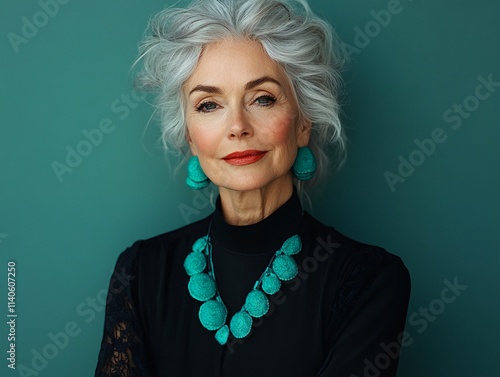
(122, 349)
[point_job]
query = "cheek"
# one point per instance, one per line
(284, 132)
(200, 141)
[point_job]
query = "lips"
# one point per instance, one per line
(244, 157)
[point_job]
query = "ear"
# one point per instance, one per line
(304, 132)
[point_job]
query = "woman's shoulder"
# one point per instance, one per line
(166, 245)
(328, 235)
(358, 271)
(353, 259)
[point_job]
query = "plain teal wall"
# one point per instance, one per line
(404, 82)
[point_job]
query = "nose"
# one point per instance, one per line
(239, 125)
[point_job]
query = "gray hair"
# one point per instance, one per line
(303, 45)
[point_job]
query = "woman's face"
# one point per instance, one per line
(242, 118)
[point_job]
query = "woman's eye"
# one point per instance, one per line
(265, 100)
(206, 107)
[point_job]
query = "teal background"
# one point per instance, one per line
(65, 235)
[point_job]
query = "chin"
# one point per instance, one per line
(249, 183)
(242, 186)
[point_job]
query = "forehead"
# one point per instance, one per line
(234, 60)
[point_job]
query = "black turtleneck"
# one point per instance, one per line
(341, 316)
(241, 253)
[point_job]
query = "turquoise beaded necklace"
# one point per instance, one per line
(202, 286)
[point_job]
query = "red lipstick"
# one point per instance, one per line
(244, 157)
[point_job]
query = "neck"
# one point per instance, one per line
(252, 206)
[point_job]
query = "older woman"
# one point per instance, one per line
(258, 288)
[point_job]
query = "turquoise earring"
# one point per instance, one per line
(304, 166)
(196, 177)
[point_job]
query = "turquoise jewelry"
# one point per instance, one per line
(196, 177)
(202, 287)
(304, 166)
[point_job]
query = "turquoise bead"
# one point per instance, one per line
(196, 185)
(195, 171)
(212, 315)
(196, 178)
(195, 263)
(200, 244)
(271, 284)
(285, 267)
(201, 287)
(292, 245)
(256, 304)
(222, 335)
(304, 166)
(241, 324)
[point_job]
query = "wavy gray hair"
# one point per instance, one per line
(303, 45)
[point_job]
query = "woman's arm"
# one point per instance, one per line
(373, 317)
(122, 351)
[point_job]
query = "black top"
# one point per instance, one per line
(341, 316)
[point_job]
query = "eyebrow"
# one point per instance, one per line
(205, 88)
(254, 83)
(249, 85)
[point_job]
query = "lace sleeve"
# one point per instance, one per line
(122, 351)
